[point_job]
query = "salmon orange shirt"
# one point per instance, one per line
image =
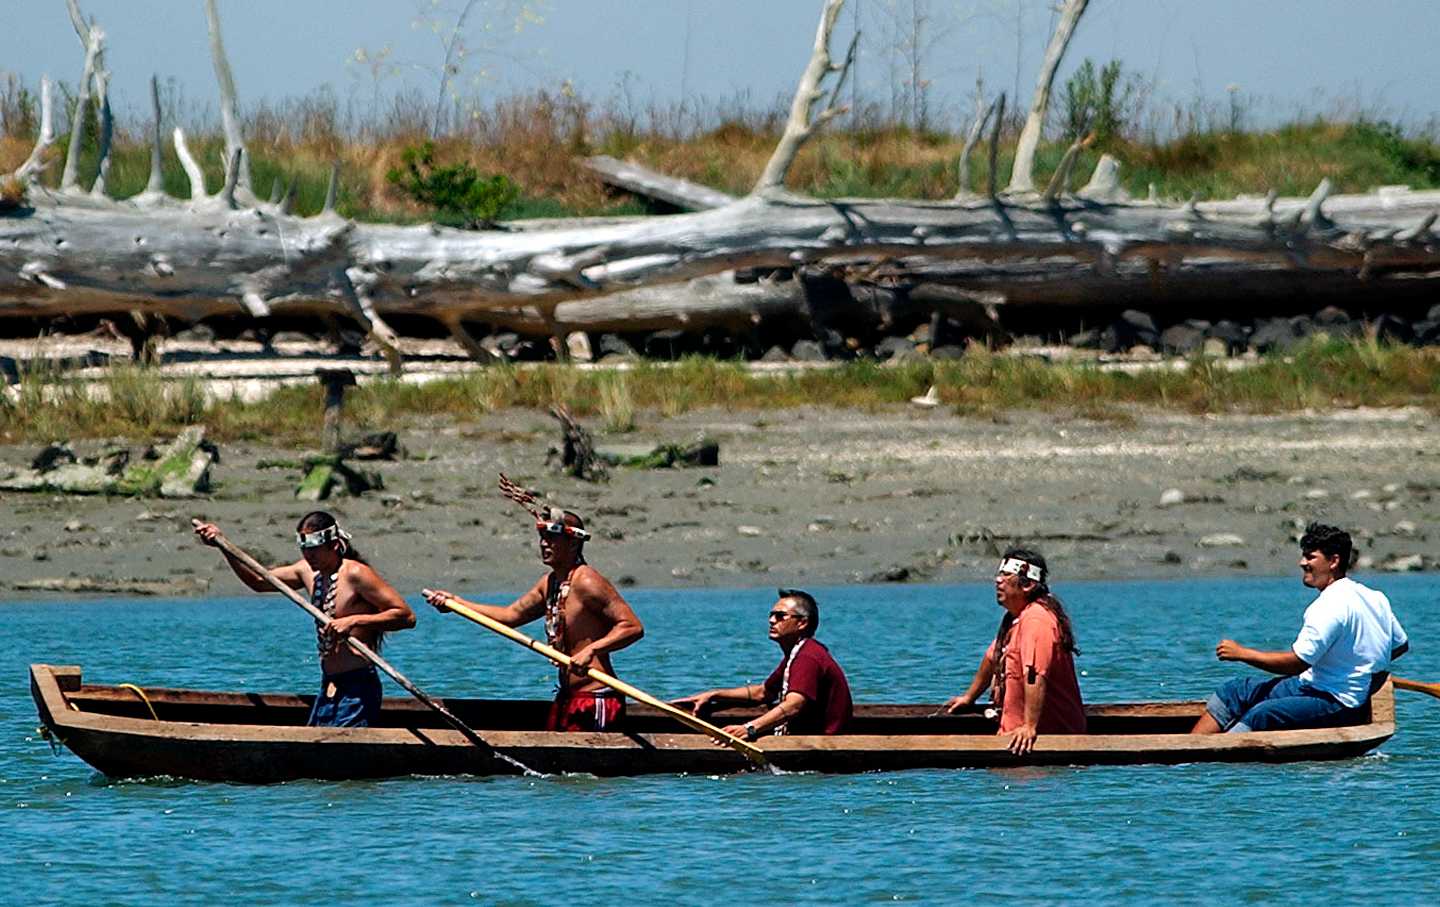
(1033, 643)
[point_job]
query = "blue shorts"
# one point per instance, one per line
(356, 702)
(1277, 704)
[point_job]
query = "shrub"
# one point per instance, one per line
(457, 192)
(1096, 103)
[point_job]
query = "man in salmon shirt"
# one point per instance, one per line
(1030, 666)
(807, 692)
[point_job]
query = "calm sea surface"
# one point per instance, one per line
(1343, 831)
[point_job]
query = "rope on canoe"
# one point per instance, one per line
(143, 698)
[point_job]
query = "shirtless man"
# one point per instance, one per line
(585, 618)
(359, 603)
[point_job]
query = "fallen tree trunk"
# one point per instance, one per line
(71, 253)
(78, 256)
(646, 183)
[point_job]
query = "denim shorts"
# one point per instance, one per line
(1276, 704)
(356, 702)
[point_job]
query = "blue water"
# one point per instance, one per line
(1342, 831)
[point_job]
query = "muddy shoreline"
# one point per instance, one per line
(810, 496)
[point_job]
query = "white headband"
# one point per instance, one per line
(1024, 568)
(321, 536)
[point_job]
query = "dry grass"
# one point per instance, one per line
(535, 140)
(1320, 375)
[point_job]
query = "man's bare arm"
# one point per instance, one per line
(390, 612)
(784, 710)
(1023, 740)
(698, 702)
(598, 595)
(521, 611)
(291, 575)
(983, 675)
(1284, 663)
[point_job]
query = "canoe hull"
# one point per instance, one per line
(204, 735)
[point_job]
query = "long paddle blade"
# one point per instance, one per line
(1429, 689)
(744, 747)
(365, 652)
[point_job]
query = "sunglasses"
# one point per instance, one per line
(557, 527)
(777, 616)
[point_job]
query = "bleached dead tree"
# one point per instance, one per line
(64, 253)
(1022, 176)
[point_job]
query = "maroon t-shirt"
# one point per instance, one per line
(817, 677)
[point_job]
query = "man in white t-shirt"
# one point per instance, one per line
(1342, 655)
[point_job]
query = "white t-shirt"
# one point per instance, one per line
(1348, 636)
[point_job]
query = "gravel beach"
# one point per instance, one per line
(802, 497)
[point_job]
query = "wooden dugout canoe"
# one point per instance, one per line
(261, 737)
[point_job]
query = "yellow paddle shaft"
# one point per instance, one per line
(1431, 689)
(744, 747)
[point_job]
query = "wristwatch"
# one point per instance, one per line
(751, 734)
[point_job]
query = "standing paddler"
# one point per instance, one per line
(586, 618)
(359, 603)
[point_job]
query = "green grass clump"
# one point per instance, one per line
(1320, 374)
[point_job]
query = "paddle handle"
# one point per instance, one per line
(744, 747)
(356, 645)
(1430, 689)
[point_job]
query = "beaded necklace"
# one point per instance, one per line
(556, 593)
(784, 727)
(322, 596)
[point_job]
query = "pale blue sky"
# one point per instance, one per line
(1289, 56)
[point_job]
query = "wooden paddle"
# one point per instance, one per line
(1429, 689)
(743, 747)
(365, 652)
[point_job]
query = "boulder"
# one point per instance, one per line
(1235, 337)
(1279, 335)
(1133, 328)
(1182, 339)
(196, 333)
(614, 345)
(775, 354)
(577, 346)
(808, 351)
(1392, 329)
(1085, 340)
(1427, 333)
(890, 346)
(948, 352)
(1336, 322)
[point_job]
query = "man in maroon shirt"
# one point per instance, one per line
(807, 692)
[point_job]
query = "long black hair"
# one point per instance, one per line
(1044, 597)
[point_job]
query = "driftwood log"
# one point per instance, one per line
(66, 251)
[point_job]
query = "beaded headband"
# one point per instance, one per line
(321, 536)
(1023, 568)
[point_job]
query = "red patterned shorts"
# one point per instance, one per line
(594, 710)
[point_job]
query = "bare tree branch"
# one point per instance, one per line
(803, 121)
(1022, 178)
(229, 115)
(962, 169)
(70, 178)
(36, 161)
